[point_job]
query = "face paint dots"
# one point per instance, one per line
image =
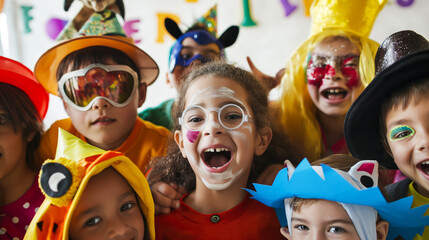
(192, 135)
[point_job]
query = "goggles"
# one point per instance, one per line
(114, 83)
(230, 116)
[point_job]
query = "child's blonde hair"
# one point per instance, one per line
(296, 112)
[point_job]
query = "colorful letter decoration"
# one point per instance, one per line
(247, 21)
(27, 17)
(161, 29)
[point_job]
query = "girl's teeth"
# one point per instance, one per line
(216, 150)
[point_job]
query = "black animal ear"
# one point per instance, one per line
(229, 36)
(121, 8)
(172, 28)
(67, 4)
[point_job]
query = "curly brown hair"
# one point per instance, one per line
(174, 168)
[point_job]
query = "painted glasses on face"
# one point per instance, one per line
(230, 116)
(114, 83)
(320, 67)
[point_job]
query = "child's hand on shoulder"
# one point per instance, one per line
(166, 196)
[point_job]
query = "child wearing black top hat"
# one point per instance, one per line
(388, 122)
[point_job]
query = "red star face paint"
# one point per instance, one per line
(322, 67)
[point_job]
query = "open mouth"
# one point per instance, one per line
(216, 157)
(335, 93)
(424, 167)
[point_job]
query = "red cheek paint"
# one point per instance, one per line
(315, 75)
(352, 77)
(192, 135)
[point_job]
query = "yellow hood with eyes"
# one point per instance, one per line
(64, 179)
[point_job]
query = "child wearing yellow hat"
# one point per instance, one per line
(326, 74)
(78, 203)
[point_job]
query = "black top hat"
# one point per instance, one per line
(401, 58)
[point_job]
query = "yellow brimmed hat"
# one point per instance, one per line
(64, 179)
(102, 29)
(355, 16)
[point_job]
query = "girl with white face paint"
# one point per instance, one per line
(221, 130)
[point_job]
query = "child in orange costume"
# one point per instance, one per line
(78, 203)
(102, 78)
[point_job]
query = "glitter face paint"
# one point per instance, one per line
(321, 67)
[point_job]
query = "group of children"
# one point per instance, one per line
(219, 139)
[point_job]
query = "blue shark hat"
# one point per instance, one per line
(359, 187)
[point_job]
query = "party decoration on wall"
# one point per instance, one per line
(72, 28)
(247, 21)
(161, 28)
(27, 18)
(288, 7)
(54, 27)
(405, 3)
(307, 5)
(194, 1)
(130, 29)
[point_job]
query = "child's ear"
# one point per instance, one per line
(382, 227)
(263, 140)
(178, 138)
(142, 93)
(285, 232)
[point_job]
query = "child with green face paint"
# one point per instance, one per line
(388, 122)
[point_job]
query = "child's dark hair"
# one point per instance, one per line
(22, 116)
(174, 167)
(413, 92)
(96, 54)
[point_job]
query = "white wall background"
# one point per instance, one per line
(269, 43)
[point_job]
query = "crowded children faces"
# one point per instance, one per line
(221, 129)
(102, 80)
(23, 105)
(321, 202)
(389, 121)
(326, 74)
(78, 204)
(196, 46)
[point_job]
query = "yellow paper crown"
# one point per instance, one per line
(355, 16)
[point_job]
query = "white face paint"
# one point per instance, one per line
(225, 178)
(210, 92)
